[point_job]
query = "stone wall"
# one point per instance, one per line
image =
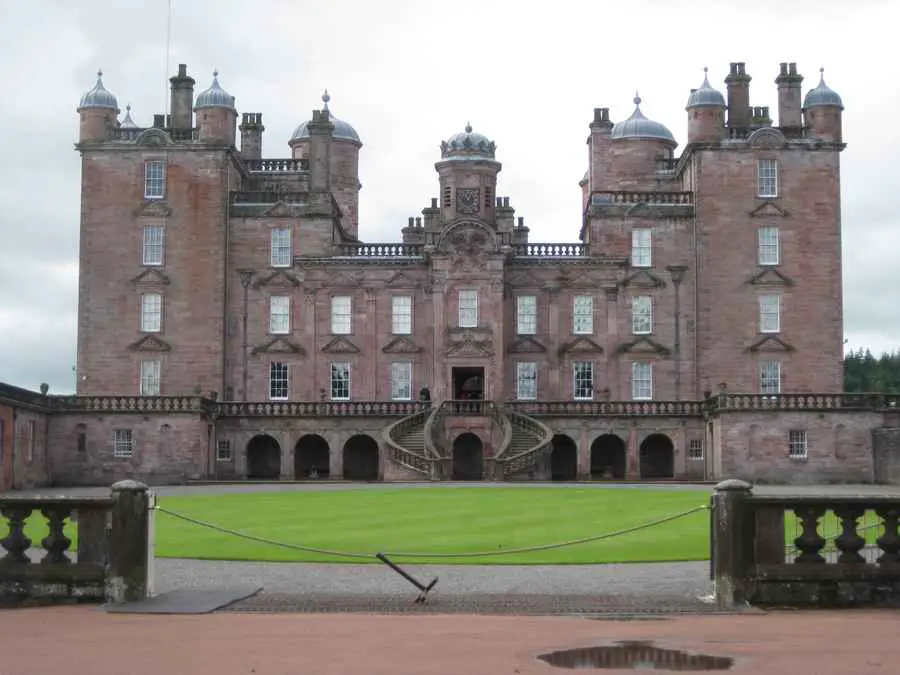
(886, 447)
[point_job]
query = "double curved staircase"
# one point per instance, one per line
(418, 442)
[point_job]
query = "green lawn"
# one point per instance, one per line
(441, 520)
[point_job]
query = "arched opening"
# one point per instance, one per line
(468, 457)
(361, 458)
(312, 457)
(263, 458)
(608, 458)
(657, 457)
(564, 458)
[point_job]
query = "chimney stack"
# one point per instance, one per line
(738, 83)
(251, 135)
(182, 99)
(789, 97)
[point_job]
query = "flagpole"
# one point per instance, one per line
(169, 4)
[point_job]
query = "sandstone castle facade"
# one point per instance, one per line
(233, 323)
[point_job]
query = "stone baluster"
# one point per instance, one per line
(16, 542)
(889, 542)
(56, 543)
(849, 542)
(810, 542)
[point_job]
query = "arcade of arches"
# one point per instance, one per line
(361, 458)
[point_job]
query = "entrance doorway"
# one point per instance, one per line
(468, 457)
(468, 390)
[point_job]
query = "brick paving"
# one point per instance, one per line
(88, 641)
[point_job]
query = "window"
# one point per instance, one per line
(583, 315)
(797, 447)
(526, 315)
(80, 439)
(641, 381)
(769, 313)
(401, 382)
(32, 440)
(123, 444)
(279, 315)
(223, 450)
(583, 380)
(401, 315)
(526, 381)
(278, 381)
(641, 315)
(154, 245)
(340, 381)
(767, 177)
(341, 315)
(280, 247)
(154, 179)
(769, 246)
(695, 449)
(150, 377)
(151, 312)
(468, 309)
(770, 377)
(641, 254)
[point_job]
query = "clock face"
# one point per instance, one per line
(467, 200)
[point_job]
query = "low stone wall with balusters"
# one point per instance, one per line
(821, 550)
(109, 563)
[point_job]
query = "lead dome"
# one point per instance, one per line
(468, 144)
(822, 95)
(99, 97)
(705, 96)
(639, 127)
(343, 131)
(215, 96)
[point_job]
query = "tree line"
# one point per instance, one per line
(864, 372)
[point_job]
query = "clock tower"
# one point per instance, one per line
(468, 177)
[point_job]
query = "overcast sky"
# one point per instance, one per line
(407, 74)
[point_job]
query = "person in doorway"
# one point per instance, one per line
(425, 394)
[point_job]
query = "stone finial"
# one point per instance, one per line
(325, 99)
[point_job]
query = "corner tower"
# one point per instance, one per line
(468, 177)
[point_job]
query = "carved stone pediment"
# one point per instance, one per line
(151, 276)
(470, 347)
(153, 208)
(643, 345)
(642, 278)
(153, 138)
(467, 239)
(770, 343)
(401, 345)
(580, 345)
(770, 276)
(525, 344)
(767, 137)
(401, 280)
(280, 277)
(280, 209)
(150, 343)
(340, 345)
(278, 345)
(769, 209)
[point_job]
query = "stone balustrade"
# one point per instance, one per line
(803, 401)
(751, 563)
(136, 404)
(110, 562)
(132, 133)
(390, 250)
(606, 408)
(321, 409)
(550, 250)
(289, 165)
(626, 197)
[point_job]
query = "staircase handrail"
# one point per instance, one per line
(501, 417)
(435, 418)
(405, 456)
(514, 462)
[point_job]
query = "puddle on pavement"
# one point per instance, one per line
(635, 656)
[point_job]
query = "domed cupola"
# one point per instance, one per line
(822, 95)
(705, 96)
(468, 145)
(215, 96)
(342, 130)
(127, 122)
(639, 127)
(98, 97)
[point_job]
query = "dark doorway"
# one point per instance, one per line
(608, 458)
(564, 459)
(361, 458)
(312, 458)
(657, 457)
(468, 457)
(263, 458)
(468, 384)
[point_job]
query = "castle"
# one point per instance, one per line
(232, 323)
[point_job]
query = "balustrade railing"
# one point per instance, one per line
(471, 407)
(837, 549)
(402, 455)
(609, 408)
(626, 197)
(288, 165)
(320, 408)
(132, 133)
(138, 404)
(803, 401)
(550, 250)
(390, 250)
(523, 460)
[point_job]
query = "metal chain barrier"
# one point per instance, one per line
(416, 554)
